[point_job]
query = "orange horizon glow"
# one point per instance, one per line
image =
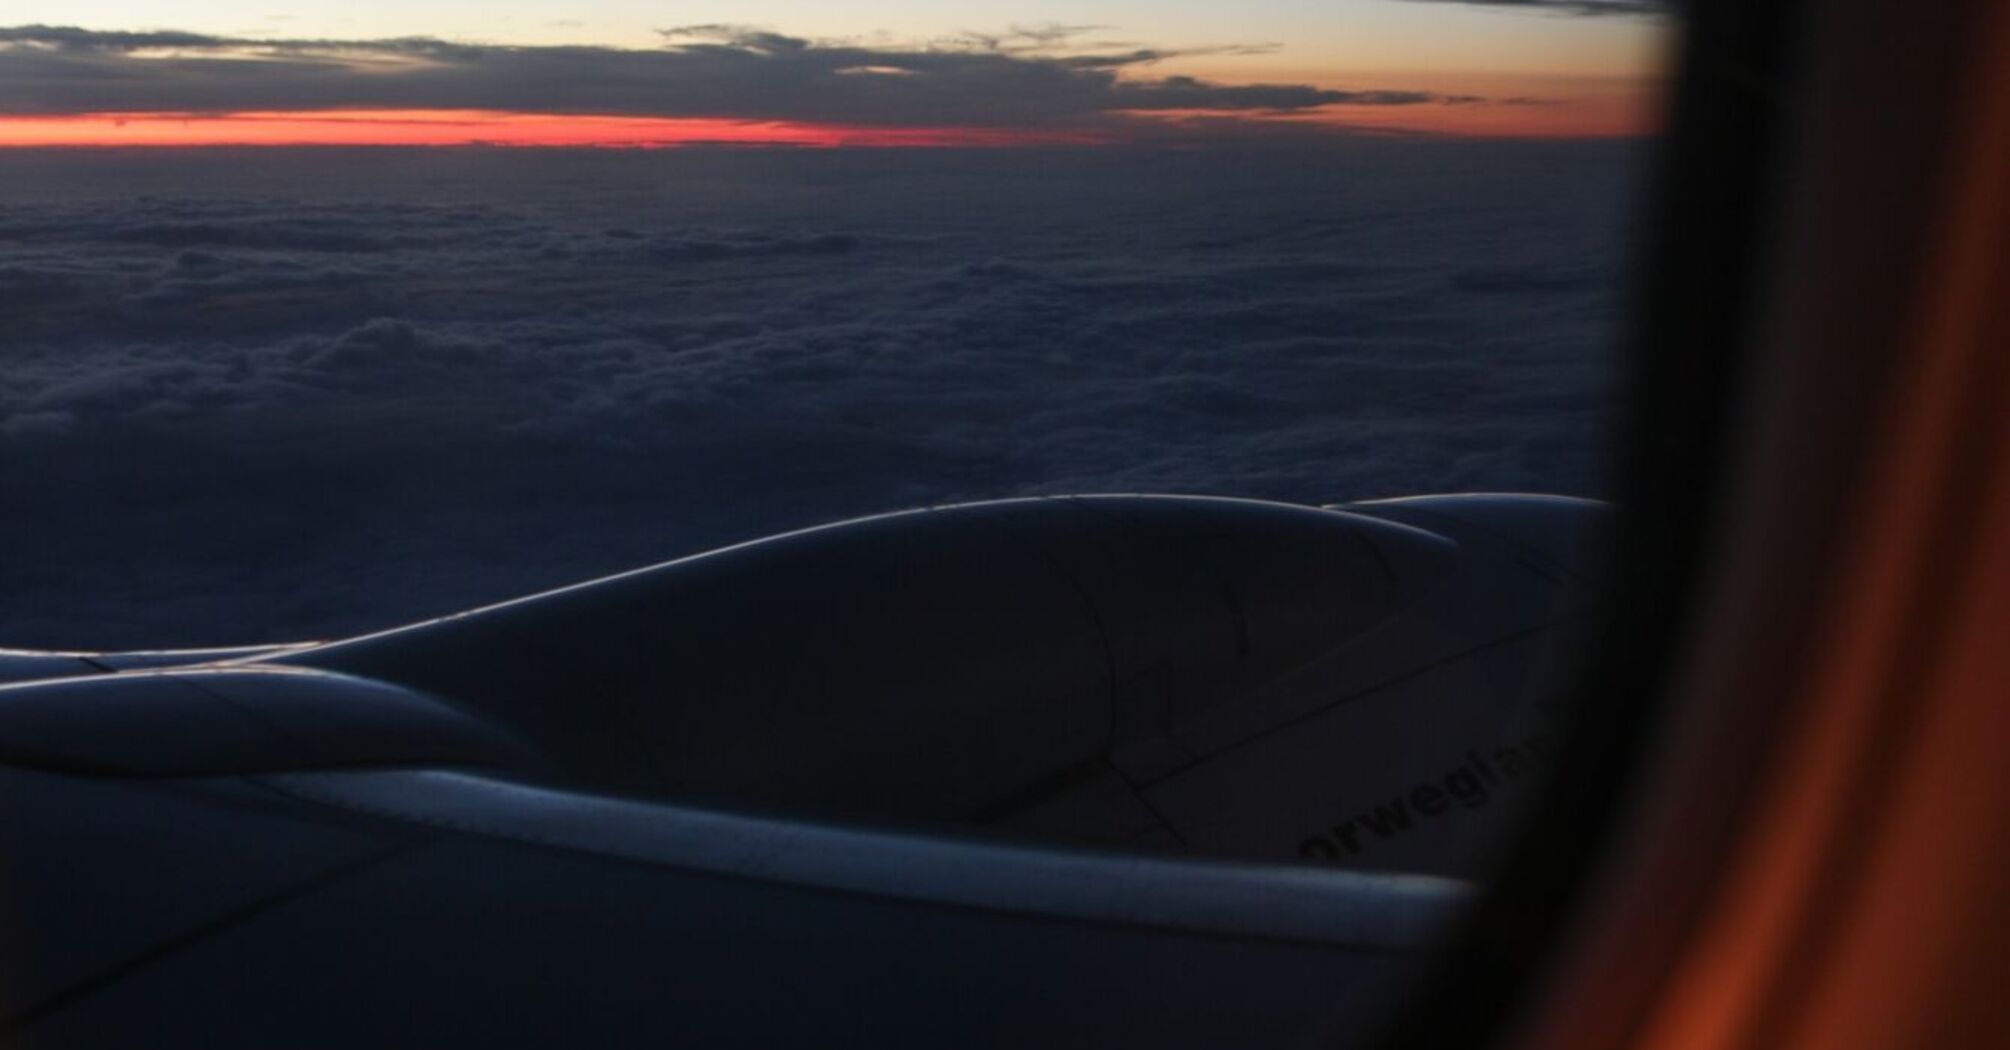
(433, 127)
(1604, 119)
(426, 127)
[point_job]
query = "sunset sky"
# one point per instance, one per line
(794, 72)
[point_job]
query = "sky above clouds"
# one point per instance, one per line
(1505, 35)
(96, 71)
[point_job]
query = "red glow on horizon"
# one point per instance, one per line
(1576, 118)
(420, 127)
(363, 127)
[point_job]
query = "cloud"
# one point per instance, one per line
(1037, 76)
(1584, 8)
(243, 399)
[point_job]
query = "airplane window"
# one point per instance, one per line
(1172, 428)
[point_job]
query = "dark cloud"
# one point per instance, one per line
(270, 394)
(1586, 8)
(1188, 93)
(1040, 76)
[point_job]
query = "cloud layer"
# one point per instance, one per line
(281, 394)
(1034, 78)
(1585, 8)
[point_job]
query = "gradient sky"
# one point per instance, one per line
(1503, 67)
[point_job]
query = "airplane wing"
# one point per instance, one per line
(1038, 771)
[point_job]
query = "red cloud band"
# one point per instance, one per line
(484, 127)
